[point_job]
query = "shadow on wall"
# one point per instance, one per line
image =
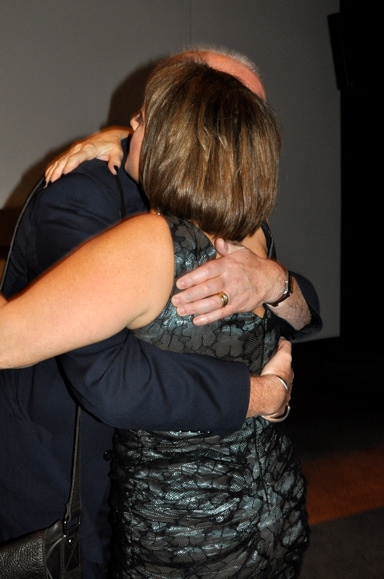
(2, 265)
(125, 101)
(128, 96)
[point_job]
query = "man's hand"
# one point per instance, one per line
(104, 145)
(229, 274)
(248, 280)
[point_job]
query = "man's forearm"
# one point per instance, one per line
(294, 309)
(307, 302)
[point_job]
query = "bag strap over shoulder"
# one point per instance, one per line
(73, 506)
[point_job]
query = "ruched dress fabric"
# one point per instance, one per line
(196, 505)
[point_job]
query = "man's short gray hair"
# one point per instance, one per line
(223, 51)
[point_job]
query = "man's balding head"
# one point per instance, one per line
(232, 63)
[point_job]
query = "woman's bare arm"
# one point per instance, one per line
(248, 279)
(104, 286)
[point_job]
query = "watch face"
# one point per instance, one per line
(288, 290)
(290, 284)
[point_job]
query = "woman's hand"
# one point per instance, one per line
(268, 396)
(104, 145)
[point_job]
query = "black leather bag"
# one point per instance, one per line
(54, 552)
(45, 554)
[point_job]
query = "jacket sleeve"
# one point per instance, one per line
(124, 381)
(129, 383)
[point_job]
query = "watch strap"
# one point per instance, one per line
(287, 291)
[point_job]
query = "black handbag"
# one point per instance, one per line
(54, 552)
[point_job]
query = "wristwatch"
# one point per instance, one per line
(287, 291)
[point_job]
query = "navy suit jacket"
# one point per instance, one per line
(121, 382)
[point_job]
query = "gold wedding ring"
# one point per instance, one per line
(224, 298)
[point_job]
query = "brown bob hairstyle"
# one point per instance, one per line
(211, 148)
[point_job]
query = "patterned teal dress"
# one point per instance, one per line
(195, 505)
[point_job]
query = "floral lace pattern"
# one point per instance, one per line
(195, 505)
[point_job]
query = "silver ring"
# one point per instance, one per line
(224, 298)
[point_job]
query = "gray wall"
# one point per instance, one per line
(67, 65)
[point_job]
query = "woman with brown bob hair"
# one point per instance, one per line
(206, 158)
(185, 504)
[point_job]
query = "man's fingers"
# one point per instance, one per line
(214, 316)
(205, 273)
(187, 306)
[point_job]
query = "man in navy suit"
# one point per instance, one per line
(129, 378)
